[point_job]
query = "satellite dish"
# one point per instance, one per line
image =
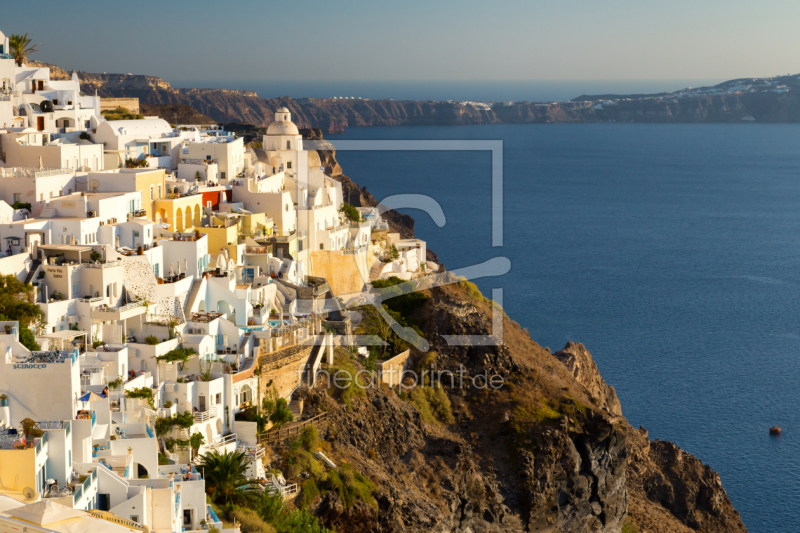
(94, 185)
(29, 493)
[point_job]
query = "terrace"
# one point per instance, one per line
(51, 356)
(204, 317)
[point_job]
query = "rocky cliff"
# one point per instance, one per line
(543, 452)
(720, 104)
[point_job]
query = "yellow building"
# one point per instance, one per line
(150, 182)
(228, 230)
(182, 214)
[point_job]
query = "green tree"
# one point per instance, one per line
(282, 415)
(20, 48)
(350, 212)
(225, 478)
(18, 301)
(28, 340)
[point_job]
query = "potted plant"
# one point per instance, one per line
(3, 400)
(8, 329)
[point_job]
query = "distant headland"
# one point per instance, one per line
(775, 99)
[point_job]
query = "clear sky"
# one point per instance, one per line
(414, 39)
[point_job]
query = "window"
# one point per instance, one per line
(288, 164)
(299, 246)
(69, 463)
(289, 146)
(159, 192)
(17, 197)
(135, 518)
(222, 175)
(155, 269)
(219, 398)
(208, 204)
(152, 193)
(321, 246)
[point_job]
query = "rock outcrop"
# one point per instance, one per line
(545, 452)
(579, 361)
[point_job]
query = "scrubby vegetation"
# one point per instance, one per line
(176, 354)
(433, 404)
(351, 486)
(121, 113)
(344, 382)
(145, 393)
(350, 212)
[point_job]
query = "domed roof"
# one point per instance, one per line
(282, 110)
(282, 128)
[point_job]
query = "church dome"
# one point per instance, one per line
(282, 110)
(282, 127)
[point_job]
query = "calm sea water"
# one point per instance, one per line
(478, 90)
(671, 251)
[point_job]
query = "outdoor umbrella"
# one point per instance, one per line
(90, 397)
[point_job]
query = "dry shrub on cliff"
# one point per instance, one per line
(308, 492)
(250, 522)
(343, 382)
(351, 486)
(433, 404)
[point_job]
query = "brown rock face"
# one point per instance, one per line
(543, 453)
(579, 361)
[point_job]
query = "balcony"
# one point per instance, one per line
(119, 313)
(204, 416)
(222, 441)
(204, 317)
(47, 357)
(252, 453)
(256, 250)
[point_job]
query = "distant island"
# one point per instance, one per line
(774, 99)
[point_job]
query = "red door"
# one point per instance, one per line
(40, 123)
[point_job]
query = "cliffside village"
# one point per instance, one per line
(177, 271)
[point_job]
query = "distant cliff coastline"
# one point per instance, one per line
(746, 100)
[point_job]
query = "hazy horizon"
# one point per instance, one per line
(446, 41)
(479, 90)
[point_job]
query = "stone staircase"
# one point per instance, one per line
(375, 271)
(190, 298)
(296, 408)
(35, 264)
(48, 212)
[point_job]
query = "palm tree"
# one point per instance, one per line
(20, 48)
(225, 478)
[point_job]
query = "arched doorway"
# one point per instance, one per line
(202, 306)
(179, 220)
(141, 471)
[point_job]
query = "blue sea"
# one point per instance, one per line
(671, 251)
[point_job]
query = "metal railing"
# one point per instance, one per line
(223, 440)
(103, 265)
(126, 307)
(205, 415)
(277, 435)
(78, 494)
